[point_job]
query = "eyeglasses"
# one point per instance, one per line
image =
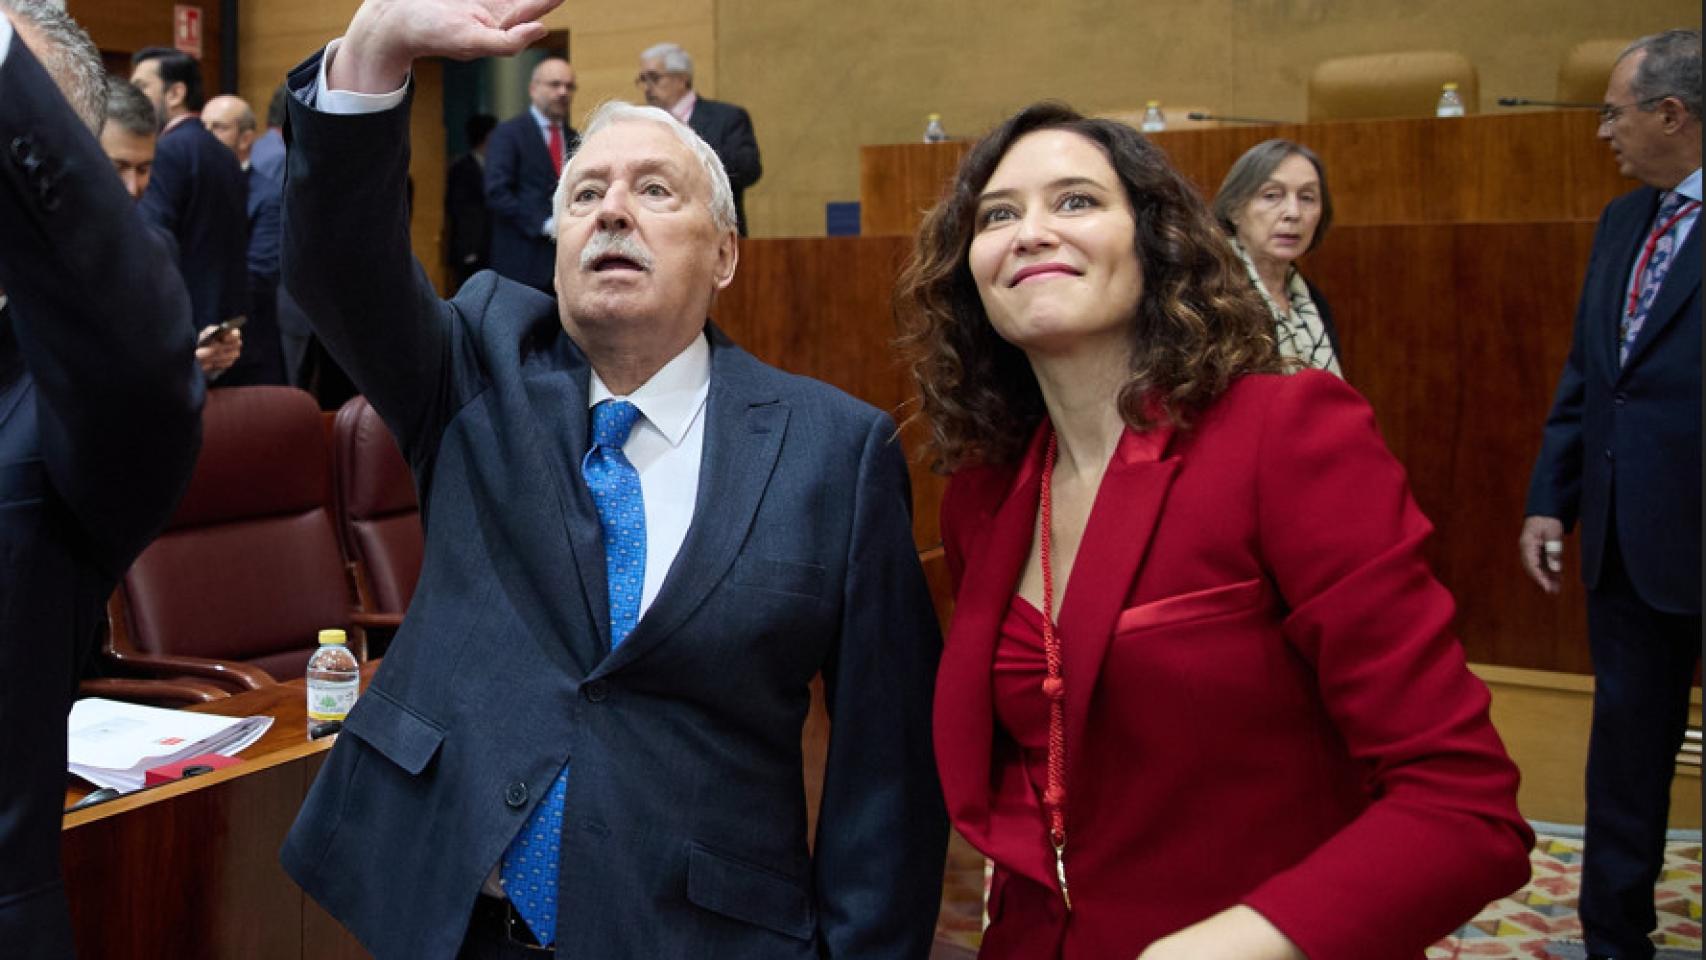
(650, 79)
(1609, 112)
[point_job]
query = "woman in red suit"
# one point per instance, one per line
(1200, 698)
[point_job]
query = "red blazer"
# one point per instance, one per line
(1265, 703)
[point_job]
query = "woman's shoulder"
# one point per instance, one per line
(1283, 401)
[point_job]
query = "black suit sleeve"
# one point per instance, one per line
(503, 182)
(882, 830)
(101, 318)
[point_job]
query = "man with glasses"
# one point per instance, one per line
(1621, 453)
(524, 156)
(666, 79)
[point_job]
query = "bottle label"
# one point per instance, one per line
(331, 699)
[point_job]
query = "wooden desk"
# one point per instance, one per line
(190, 869)
(1494, 168)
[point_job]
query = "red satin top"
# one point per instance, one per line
(1021, 710)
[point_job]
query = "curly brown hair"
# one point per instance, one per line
(1199, 322)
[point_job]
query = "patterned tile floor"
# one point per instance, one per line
(1518, 927)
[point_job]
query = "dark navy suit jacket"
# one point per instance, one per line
(685, 823)
(100, 406)
(728, 130)
(1622, 443)
(520, 181)
(262, 359)
(197, 192)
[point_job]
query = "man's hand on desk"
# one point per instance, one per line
(386, 36)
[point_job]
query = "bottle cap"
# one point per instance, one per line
(933, 116)
(1153, 103)
(332, 636)
(1451, 86)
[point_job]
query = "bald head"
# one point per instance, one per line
(552, 88)
(231, 121)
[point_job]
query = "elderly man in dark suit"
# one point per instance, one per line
(99, 426)
(666, 79)
(523, 158)
(642, 545)
(1621, 454)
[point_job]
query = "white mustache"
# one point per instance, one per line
(615, 245)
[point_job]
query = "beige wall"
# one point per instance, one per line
(822, 77)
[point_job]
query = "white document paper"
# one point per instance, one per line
(114, 744)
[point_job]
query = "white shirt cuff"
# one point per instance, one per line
(5, 38)
(348, 101)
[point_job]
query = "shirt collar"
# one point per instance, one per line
(673, 396)
(683, 108)
(1690, 185)
(543, 122)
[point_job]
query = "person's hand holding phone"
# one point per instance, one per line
(218, 346)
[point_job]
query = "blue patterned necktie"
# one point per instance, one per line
(1662, 243)
(530, 866)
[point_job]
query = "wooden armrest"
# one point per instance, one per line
(375, 621)
(239, 675)
(151, 691)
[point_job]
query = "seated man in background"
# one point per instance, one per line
(99, 426)
(642, 546)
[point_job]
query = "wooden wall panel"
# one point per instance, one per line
(1504, 168)
(1455, 332)
(125, 28)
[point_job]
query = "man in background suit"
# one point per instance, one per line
(587, 731)
(267, 155)
(666, 79)
(99, 425)
(467, 225)
(1621, 453)
(232, 123)
(523, 158)
(196, 192)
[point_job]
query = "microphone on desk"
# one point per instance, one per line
(1228, 118)
(1562, 104)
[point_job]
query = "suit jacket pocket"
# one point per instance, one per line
(1180, 608)
(399, 734)
(748, 893)
(781, 576)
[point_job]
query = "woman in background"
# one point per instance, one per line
(1200, 698)
(1275, 206)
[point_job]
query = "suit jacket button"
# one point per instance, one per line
(595, 691)
(1620, 399)
(1609, 455)
(515, 795)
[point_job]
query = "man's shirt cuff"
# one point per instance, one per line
(348, 101)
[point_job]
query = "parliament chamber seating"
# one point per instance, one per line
(233, 592)
(379, 519)
(1401, 84)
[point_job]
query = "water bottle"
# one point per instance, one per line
(1153, 120)
(933, 132)
(1450, 103)
(334, 678)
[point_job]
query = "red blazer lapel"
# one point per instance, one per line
(997, 525)
(1122, 521)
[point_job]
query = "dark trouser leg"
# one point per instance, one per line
(1643, 662)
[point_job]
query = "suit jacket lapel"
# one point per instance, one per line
(1116, 539)
(1623, 245)
(1680, 283)
(744, 429)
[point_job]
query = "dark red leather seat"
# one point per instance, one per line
(248, 570)
(379, 519)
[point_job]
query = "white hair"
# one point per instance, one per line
(612, 112)
(675, 59)
(68, 55)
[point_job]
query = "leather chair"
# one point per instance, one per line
(1586, 69)
(1403, 84)
(379, 519)
(233, 592)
